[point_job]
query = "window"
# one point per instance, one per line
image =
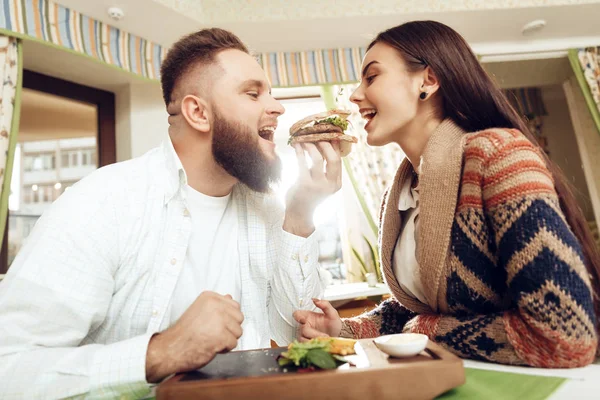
(47, 162)
(47, 194)
(326, 215)
(28, 163)
(74, 161)
(91, 105)
(38, 163)
(84, 158)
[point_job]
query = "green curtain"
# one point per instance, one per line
(11, 71)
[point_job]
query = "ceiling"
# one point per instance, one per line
(48, 117)
(74, 67)
(491, 26)
(265, 26)
(530, 73)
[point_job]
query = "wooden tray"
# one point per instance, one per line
(255, 374)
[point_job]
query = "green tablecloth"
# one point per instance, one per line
(492, 385)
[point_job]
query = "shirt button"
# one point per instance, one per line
(173, 261)
(301, 301)
(294, 257)
(154, 313)
(186, 213)
(305, 259)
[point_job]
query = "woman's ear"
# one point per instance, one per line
(430, 83)
(196, 113)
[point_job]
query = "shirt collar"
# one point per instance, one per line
(176, 176)
(409, 196)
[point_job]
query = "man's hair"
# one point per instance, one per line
(188, 52)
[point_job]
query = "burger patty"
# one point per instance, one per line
(317, 137)
(319, 128)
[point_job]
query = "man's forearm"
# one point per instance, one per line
(157, 367)
(98, 371)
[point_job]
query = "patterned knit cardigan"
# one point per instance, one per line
(502, 272)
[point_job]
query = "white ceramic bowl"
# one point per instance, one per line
(402, 344)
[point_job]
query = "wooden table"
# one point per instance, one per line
(256, 374)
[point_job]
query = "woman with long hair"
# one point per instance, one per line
(482, 242)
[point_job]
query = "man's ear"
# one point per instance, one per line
(196, 112)
(431, 84)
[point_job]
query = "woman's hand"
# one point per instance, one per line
(315, 324)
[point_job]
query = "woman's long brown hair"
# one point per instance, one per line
(474, 102)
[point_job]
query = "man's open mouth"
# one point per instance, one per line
(267, 132)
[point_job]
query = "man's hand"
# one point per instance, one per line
(314, 324)
(314, 185)
(211, 325)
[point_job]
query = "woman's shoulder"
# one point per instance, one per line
(491, 142)
(507, 165)
(494, 137)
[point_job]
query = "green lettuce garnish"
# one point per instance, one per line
(337, 121)
(311, 353)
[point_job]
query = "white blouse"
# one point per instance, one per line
(405, 265)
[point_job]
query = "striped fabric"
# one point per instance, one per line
(589, 60)
(502, 271)
(50, 22)
(312, 67)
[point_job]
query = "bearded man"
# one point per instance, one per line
(153, 266)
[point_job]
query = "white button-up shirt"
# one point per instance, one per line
(405, 264)
(95, 279)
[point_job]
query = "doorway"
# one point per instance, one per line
(66, 131)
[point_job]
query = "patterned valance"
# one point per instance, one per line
(47, 21)
(586, 65)
(316, 67)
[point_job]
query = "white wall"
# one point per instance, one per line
(558, 128)
(141, 119)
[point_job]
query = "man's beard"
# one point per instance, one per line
(236, 149)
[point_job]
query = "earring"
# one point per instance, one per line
(423, 95)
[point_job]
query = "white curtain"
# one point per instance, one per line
(369, 171)
(373, 168)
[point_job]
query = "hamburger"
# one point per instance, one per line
(326, 126)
